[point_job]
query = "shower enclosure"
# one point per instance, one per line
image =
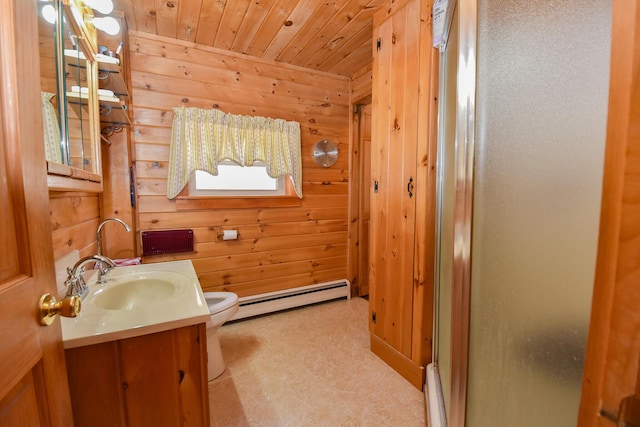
(524, 90)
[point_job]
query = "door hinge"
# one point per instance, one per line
(373, 317)
(378, 44)
(375, 186)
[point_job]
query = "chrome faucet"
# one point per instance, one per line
(75, 282)
(99, 234)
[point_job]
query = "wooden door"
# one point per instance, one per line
(393, 172)
(33, 381)
(612, 366)
(365, 197)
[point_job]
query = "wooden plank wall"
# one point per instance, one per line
(74, 220)
(277, 248)
(361, 85)
(115, 200)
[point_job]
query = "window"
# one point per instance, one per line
(236, 180)
(236, 186)
(205, 139)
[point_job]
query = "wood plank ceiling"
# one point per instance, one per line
(327, 35)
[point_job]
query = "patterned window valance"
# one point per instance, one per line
(51, 129)
(201, 139)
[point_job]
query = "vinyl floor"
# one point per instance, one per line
(310, 366)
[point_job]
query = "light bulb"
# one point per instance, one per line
(49, 13)
(108, 24)
(105, 7)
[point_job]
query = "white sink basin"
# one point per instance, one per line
(133, 292)
(137, 300)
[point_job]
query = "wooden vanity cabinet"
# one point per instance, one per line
(156, 380)
(403, 187)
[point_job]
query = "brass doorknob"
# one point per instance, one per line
(50, 307)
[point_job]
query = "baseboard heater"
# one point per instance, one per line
(270, 302)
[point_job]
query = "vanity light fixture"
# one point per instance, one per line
(107, 24)
(105, 7)
(49, 13)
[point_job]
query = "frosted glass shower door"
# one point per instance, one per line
(541, 110)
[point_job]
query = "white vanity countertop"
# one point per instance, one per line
(169, 309)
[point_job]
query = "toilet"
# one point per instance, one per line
(222, 306)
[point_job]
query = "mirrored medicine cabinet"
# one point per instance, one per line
(68, 78)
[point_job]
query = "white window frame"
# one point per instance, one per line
(233, 190)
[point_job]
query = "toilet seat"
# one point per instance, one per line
(220, 301)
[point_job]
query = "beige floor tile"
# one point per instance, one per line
(309, 367)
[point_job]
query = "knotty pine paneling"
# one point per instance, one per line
(74, 221)
(277, 248)
(361, 85)
(330, 36)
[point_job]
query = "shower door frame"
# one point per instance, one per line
(463, 209)
(437, 402)
(625, 22)
(463, 154)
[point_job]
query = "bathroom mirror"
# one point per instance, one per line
(68, 78)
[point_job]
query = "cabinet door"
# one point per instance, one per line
(157, 379)
(393, 174)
